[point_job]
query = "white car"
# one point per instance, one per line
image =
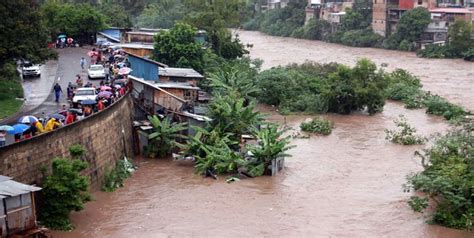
(30, 69)
(83, 94)
(96, 71)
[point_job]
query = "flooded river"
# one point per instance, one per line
(347, 184)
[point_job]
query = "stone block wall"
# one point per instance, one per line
(106, 136)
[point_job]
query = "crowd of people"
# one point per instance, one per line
(108, 91)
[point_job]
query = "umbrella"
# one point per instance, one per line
(19, 129)
(105, 88)
(125, 70)
(62, 36)
(6, 128)
(119, 56)
(88, 102)
(76, 111)
(27, 119)
(117, 86)
(104, 94)
(58, 117)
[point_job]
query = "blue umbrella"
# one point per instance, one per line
(62, 36)
(27, 119)
(6, 128)
(19, 129)
(58, 116)
(88, 102)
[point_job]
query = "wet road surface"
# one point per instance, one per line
(348, 184)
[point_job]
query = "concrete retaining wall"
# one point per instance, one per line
(106, 136)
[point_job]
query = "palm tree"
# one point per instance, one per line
(163, 138)
(272, 144)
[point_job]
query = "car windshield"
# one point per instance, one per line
(85, 92)
(27, 65)
(97, 67)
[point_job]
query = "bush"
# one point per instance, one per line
(361, 38)
(65, 190)
(318, 126)
(321, 88)
(434, 51)
(405, 87)
(448, 179)
(116, 177)
(439, 106)
(405, 133)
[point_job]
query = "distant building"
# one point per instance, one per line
(275, 4)
(180, 75)
(328, 10)
(387, 13)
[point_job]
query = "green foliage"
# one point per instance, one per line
(271, 144)
(359, 38)
(405, 87)
(22, 33)
(281, 21)
(318, 125)
(405, 134)
(437, 105)
(76, 151)
(78, 20)
(315, 29)
(418, 204)
(233, 81)
(448, 179)
(469, 54)
(233, 115)
(460, 39)
(163, 138)
(116, 15)
(65, 190)
(219, 159)
(312, 87)
(178, 48)
(409, 29)
(10, 89)
(115, 178)
(163, 14)
(435, 51)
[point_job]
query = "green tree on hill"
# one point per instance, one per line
(410, 27)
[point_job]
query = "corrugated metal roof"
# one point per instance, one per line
(451, 10)
(10, 188)
(180, 72)
(176, 85)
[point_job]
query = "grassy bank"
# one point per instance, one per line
(10, 89)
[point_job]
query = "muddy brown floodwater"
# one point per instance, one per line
(347, 184)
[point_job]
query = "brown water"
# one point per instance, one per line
(348, 184)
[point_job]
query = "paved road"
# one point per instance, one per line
(39, 91)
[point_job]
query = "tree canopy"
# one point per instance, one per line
(178, 48)
(22, 33)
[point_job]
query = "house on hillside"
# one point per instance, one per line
(180, 75)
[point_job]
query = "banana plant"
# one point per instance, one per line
(165, 133)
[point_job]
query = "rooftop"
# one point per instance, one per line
(452, 10)
(180, 72)
(10, 188)
(136, 46)
(176, 85)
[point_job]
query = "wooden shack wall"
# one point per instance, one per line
(20, 213)
(168, 101)
(140, 52)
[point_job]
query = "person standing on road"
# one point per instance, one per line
(57, 91)
(83, 63)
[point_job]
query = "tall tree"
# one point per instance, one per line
(460, 38)
(177, 47)
(22, 32)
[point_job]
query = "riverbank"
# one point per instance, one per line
(450, 78)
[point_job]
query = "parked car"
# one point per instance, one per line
(96, 71)
(83, 94)
(30, 69)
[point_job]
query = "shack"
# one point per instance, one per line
(138, 49)
(17, 208)
(180, 75)
(144, 68)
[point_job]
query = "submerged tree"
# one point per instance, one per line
(163, 138)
